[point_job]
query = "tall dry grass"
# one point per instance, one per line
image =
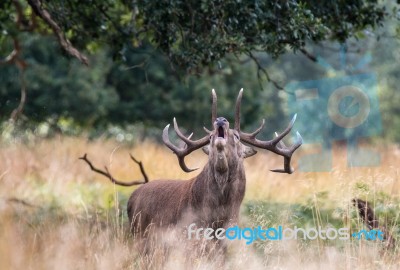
(57, 214)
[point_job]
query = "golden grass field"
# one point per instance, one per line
(55, 213)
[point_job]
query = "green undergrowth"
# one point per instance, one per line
(104, 206)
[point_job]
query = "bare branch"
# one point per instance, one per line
(107, 174)
(141, 65)
(11, 58)
(18, 111)
(20, 13)
(308, 54)
(14, 58)
(65, 43)
(261, 69)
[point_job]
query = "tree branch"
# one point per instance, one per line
(302, 50)
(11, 58)
(107, 174)
(308, 55)
(261, 69)
(337, 50)
(14, 58)
(23, 24)
(65, 43)
(18, 111)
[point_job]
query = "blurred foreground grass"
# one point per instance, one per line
(55, 213)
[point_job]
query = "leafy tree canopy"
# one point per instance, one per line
(192, 34)
(155, 43)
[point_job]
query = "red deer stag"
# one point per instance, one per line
(212, 198)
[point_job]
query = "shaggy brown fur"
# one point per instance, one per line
(211, 199)
(368, 217)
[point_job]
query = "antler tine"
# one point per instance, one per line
(183, 165)
(180, 134)
(214, 107)
(285, 132)
(183, 144)
(166, 140)
(190, 145)
(237, 110)
(207, 130)
(281, 145)
(186, 150)
(286, 167)
(237, 117)
(258, 130)
(275, 145)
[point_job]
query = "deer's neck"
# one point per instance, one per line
(221, 185)
(214, 203)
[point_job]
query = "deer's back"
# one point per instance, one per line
(159, 202)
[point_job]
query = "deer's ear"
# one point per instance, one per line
(248, 151)
(206, 150)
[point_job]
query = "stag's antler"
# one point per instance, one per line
(185, 150)
(214, 107)
(107, 174)
(275, 145)
(190, 145)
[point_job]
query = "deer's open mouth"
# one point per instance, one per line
(221, 132)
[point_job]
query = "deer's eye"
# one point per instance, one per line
(236, 136)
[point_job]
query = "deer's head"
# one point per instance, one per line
(225, 149)
(224, 144)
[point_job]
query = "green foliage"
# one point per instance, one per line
(270, 214)
(159, 43)
(67, 95)
(198, 34)
(300, 215)
(57, 87)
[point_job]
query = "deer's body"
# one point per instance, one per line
(211, 199)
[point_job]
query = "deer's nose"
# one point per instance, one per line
(221, 122)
